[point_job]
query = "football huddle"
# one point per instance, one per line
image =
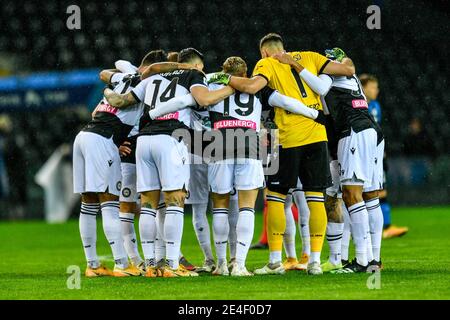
(166, 135)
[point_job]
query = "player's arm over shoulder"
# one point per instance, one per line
(119, 100)
(162, 67)
(262, 74)
(325, 65)
(109, 76)
(201, 93)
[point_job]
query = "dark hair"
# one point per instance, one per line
(154, 56)
(188, 54)
(270, 37)
(366, 78)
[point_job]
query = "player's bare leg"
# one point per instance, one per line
(109, 204)
(148, 230)
(335, 229)
(221, 229)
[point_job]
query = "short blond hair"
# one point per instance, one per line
(235, 66)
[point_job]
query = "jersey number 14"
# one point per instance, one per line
(167, 94)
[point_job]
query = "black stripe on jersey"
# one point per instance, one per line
(135, 96)
(324, 65)
(261, 75)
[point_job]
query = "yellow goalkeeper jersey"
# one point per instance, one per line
(295, 130)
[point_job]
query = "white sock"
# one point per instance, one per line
(233, 216)
(113, 232)
(173, 233)
(369, 245)
(334, 238)
(148, 231)
(346, 234)
(221, 229)
(376, 226)
(274, 257)
(244, 229)
(160, 244)
(359, 220)
(201, 227)
(314, 257)
(289, 233)
(88, 232)
(303, 220)
(129, 237)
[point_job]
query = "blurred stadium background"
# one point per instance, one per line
(49, 82)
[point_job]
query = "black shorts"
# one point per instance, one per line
(310, 163)
(130, 158)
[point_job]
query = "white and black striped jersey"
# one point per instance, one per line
(113, 122)
(240, 111)
(347, 105)
(161, 88)
(200, 116)
(200, 120)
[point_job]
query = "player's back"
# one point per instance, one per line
(240, 111)
(109, 121)
(161, 88)
(295, 130)
(348, 106)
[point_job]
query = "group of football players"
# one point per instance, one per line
(165, 134)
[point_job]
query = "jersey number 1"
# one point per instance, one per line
(299, 83)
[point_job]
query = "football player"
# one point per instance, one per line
(360, 153)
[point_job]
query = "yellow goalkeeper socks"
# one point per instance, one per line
(317, 223)
(276, 224)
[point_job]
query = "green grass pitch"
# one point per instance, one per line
(35, 257)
